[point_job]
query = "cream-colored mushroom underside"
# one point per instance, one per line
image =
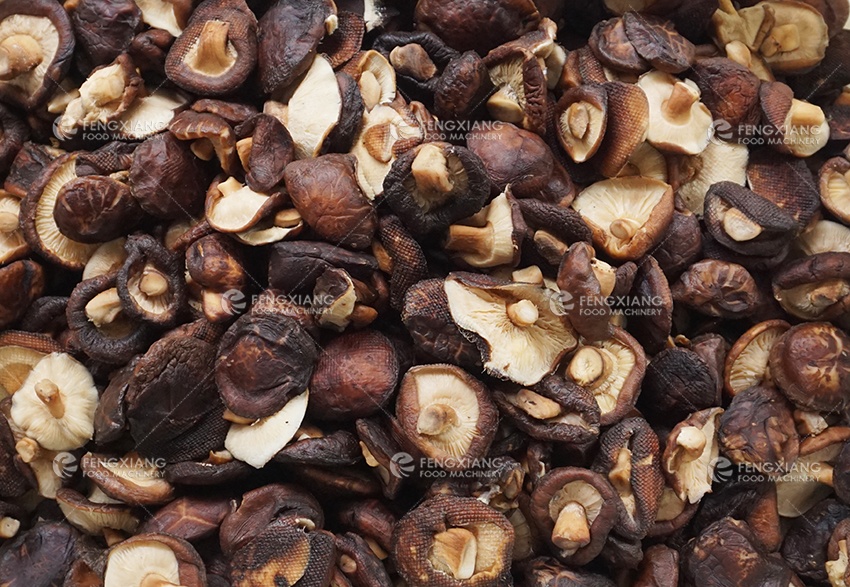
(438, 387)
(751, 365)
(44, 32)
(128, 564)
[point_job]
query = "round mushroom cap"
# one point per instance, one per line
(153, 559)
(56, 403)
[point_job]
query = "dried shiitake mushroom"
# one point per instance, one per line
(453, 541)
(95, 209)
(19, 353)
(13, 245)
(520, 82)
(747, 363)
(810, 363)
(153, 559)
(582, 117)
(678, 381)
(800, 126)
(284, 554)
(816, 287)
(518, 328)
(490, 238)
(190, 518)
(150, 283)
(718, 288)
(21, 283)
(691, 453)
(215, 265)
(835, 187)
(93, 514)
(130, 479)
(446, 414)
(628, 123)
(581, 288)
(256, 442)
(611, 45)
(627, 215)
(217, 50)
(678, 121)
(693, 176)
(211, 135)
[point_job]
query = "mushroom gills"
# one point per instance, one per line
(212, 54)
(448, 412)
(454, 551)
(582, 503)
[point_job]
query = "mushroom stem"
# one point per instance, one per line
(48, 393)
(436, 419)
(739, 227)
(203, 149)
(822, 473)
(8, 222)
(805, 114)
(212, 56)
(523, 313)
(104, 308)
(693, 441)
(156, 580)
(347, 564)
(289, 218)
(504, 105)
(243, 149)
(469, 239)
(624, 228)
(588, 366)
(153, 283)
(28, 449)
(620, 474)
(680, 101)
(781, 39)
(530, 274)
(370, 88)
(578, 120)
(9, 527)
(455, 550)
(19, 54)
(537, 406)
(431, 172)
(572, 530)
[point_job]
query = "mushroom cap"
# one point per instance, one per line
(205, 128)
(93, 516)
(718, 288)
(628, 121)
(824, 236)
(520, 83)
(19, 353)
(719, 162)
(815, 287)
(48, 24)
(314, 109)
(523, 353)
(612, 47)
(153, 557)
(657, 41)
(13, 245)
(130, 479)
(835, 187)
(582, 117)
(233, 207)
(802, 127)
(678, 121)
(747, 360)
(627, 215)
(71, 388)
(494, 235)
(168, 15)
(691, 454)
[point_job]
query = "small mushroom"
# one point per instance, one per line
(233, 207)
(580, 286)
(130, 479)
(815, 287)
(611, 45)
(805, 546)
(446, 414)
(627, 215)
(657, 41)
(216, 51)
(691, 453)
(747, 361)
(678, 121)
(36, 46)
(453, 541)
(21, 283)
(211, 136)
(612, 370)
(730, 91)
(835, 187)
(150, 284)
(265, 148)
(520, 82)
(516, 327)
(149, 115)
(95, 209)
(582, 117)
(491, 237)
(40, 556)
(810, 364)
(153, 560)
(801, 128)
(718, 288)
(103, 30)
(55, 404)
(574, 509)
(628, 123)
(463, 86)
(375, 77)
(215, 264)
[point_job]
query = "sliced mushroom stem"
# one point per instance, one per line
(8, 222)
(287, 218)
(455, 550)
(806, 114)
(9, 527)
(822, 473)
(212, 54)
(243, 149)
(231, 417)
(739, 227)
(588, 366)
(48, 393)
(28, 449)
(531, 274)
(203, 149)
(693, 441)
(624, 228)
(620, 474)
(469, 239)
(523, 313)
(153, 283)
(782, 39)
(436, 419)
(155, 580)
(220, 457)
(370, 88)
(104, 308)
(537, 406)
(680, 101)
(578, 120)
(572, 530)
(430, 169)
(347, 564)
(504, 106)
(19, 54)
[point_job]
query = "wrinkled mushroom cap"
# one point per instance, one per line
(131, 479)
(678, 121)
(94, 514)
(56, 404)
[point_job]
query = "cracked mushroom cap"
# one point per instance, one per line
(747, 360)
(233, 207)
(434, 185)
(105, 95)
(217, 51)
(758, 428)
(657, 41)
(630, 457)
(130, 479)
(447, 414)
(490, 238)
(835, 187)
(810, 363)
(92, 515)
(678, 121)
(627, 215)
(612, 370)
(520, 82)
(56, 403)
(816, 287)
(156, 560)
(452, 541)
(582, 117)
(265, 148)
(693, 176)
(516, 326)
(210, 135)
(691, 453)
(574, 509)
(801, 126)
(37, 216)
(719, 289)
(36, 46)
(150, 284)
(555, 410)
(611, 46)
(256, 442)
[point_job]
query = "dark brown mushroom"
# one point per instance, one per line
(657, 41)
(284, 555)
(729, 90)
(21, 283)
(103, 30)
(678, 382)
(582, 117)
(215, 264)
(211, 136)
(805, 546)
(312, 447)
(190, 518)
(95, 209)
(585, 305)
(800, 127)
(130, 479)
(463, 86)
(150, 283)
(40, 556)
(265, 149)
(816, 287)
(520, 81)
(92, 517)
(611, 45)
(628, 121)
(718, 288)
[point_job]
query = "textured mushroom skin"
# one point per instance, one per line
(677, 382)
(718, 288)
(20, 284)
(805, 544)
(40, 556)
(104, 29)
(95, 209)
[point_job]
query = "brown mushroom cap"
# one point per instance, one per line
(453, 541)
(657, 41)
(628, 121)
(718, 288)
(612, 47)
(150, 283)
(153, 559)
(491, 237)
(37, 43)
(217, 50)
(93, 516)
(693, 176)
(21, 283)
(835, 187)
(815, 287)
(447, 414)
(520, 96)
(801, 126)
(210, 134)
(19, 353)
(810, 364)
(747, 361)
(95, 209)
(574, 509)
